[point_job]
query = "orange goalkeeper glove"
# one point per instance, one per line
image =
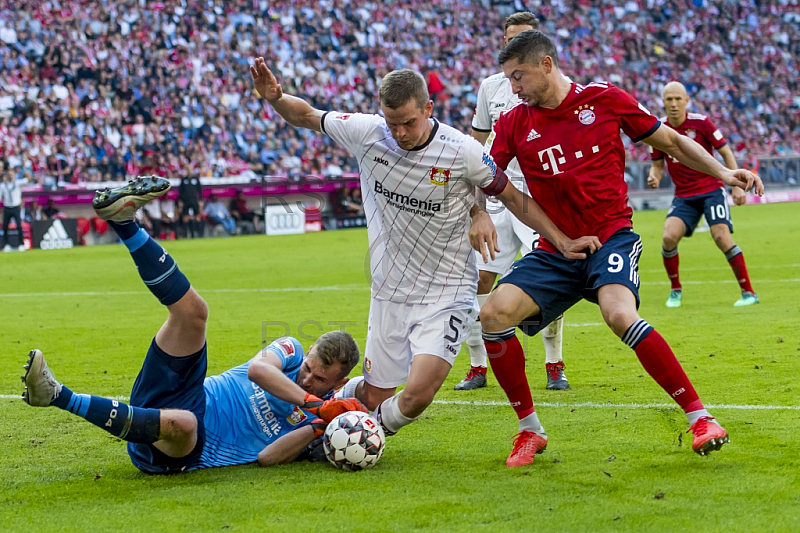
(327, 410)
(319, 426)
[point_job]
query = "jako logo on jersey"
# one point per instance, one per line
(403, 201)
(381, 161)
(297, 416)
(585, 114)
(533, 135)
(440, 176)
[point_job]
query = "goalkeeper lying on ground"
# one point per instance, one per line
(267, 410)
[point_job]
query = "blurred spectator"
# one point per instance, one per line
(93, 91)
(240, 211)
(190, 192)
(32, 212)
(51, 211)
(11, 196)
(350, 201)
(218, 214)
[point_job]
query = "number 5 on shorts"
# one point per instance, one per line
(454, 337)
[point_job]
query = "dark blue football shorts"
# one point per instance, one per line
(556, 283)
(167, 382)
(714, 205)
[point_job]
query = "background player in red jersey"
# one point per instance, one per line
(697, 194)
(568, 145)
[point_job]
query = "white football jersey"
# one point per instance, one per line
(494, 97)
(417, 205)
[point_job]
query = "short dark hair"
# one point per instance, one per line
(522, 18)
(400, 86)
(337, 348)
(530, 46)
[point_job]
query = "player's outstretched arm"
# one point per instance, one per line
(295, 111)
(528, 212)
(266, 371)
(288, 447)
(738, 195)
(482, 233)
(480, 136)
(691, 154)
(656, 173)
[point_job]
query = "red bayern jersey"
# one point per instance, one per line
(690, 182)
(573, 158)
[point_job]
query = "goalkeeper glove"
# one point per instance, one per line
(327, 410)
(319, 426)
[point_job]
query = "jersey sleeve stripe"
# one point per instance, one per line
(322, 122)
(482, 130)
(648, 133)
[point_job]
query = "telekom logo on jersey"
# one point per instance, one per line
(554, 155)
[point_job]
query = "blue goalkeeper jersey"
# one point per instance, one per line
(241, 418)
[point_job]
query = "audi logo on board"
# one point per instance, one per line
(281, 221)
(284, 220)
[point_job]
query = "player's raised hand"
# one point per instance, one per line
(739, 196)
(264, 82)
(744, 179)
(577, 248)
(483, 236)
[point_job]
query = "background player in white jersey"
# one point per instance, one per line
(418, 178)
(494, 97)
(262, 411)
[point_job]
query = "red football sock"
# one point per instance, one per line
(508, 364)
(671, 261)
(660, 362)
(740, 269)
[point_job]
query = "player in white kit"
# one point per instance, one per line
(494, 97)
(418, 178)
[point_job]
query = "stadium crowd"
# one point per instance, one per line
(98, 90)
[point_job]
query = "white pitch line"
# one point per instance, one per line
(722, 281)
(596, 405)
(601, 405)
(329, 288)
(715, 268)
(202, 291)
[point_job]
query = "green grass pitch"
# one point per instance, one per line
(618, 458)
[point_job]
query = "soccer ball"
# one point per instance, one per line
(353, 441)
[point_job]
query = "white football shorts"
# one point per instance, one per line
(397, 332)
(512, 236)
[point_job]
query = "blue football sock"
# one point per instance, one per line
(132, 424)
(125, 230)
(156, 267)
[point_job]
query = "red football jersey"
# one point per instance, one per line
(690, 182)
(573, 158)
